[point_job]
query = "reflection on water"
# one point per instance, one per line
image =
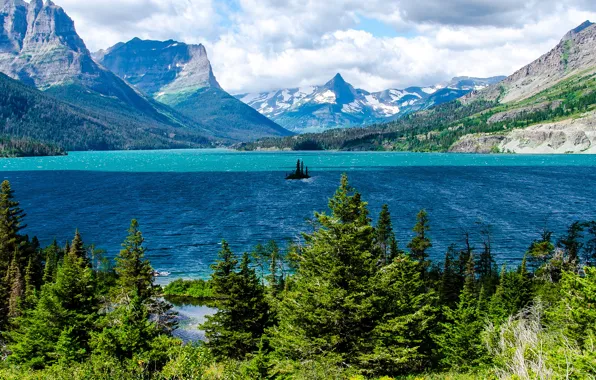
(191, 313)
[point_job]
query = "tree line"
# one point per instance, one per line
(348, 301)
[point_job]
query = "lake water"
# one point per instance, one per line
(188, 201)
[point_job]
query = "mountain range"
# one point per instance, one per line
(40, 47)
(548, 106)
(339, 104)
(180, 76)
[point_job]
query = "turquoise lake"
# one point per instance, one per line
(188, 201)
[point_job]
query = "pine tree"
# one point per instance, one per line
(401, 342)
(135, 275)
(17, 287)
(223, 271)
(52, 257)
(572, 245)
(77, 248)
(420, 244)
(384, 234)
(59, 327)
(11, 218)
(236, 329)
(451, 281)
(460, 339)
(326, 311)
(486, 267)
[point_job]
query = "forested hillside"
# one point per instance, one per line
(27, 114)
(345, 302)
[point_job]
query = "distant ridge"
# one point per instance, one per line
(338, 104)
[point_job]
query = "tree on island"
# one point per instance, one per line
(301, 171)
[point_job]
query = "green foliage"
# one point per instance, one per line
(199, 289)
(235, 330)
(460, 339)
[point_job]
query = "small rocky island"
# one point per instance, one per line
(300, 173)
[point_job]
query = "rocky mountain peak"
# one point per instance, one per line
(344, 92)
(160, 67)
(575, 31)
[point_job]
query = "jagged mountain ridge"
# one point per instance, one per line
(576, 52)
(180, 75)
(339, 104)
(40, 47)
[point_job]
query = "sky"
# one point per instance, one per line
(262, 45)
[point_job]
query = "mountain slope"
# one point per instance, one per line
(31, 115)
(180, 75)
(575, 53)
(548, 106)
(40, 47)
(339, 104)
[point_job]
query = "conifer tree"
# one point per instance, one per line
(276, 278)
(460, 340)
(59, 327)
(52, 257)
(420, 244)
(135, 275)
(401, 342)
(127, 330)
(574, 314)
(223, 270)
(17, 287)
(77, 248)
(236, 329)
(486, 267)
(384, 234)
(451, 281)
(541, 251)
(572, 245)
(11, 223)
(326, 313)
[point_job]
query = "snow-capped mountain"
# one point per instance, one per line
(339, 104)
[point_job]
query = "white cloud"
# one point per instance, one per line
(259, 45)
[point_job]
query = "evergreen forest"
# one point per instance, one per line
(346, 301)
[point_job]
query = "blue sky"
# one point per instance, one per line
(260, 45)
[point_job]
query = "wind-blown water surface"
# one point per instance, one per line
(188, 201)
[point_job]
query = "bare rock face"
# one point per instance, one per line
(13, 25)
(160, 67)
(567, 136)
(40, 45)
(574, 54)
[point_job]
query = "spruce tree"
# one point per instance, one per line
(127, 330)
(401, 341)
(486, 267)
(135, 275)
(572, 245)
(59, 328)
(11, 223)
(420, 244)
(326, 312)
(236, 329)
(460, 340)
(451, 281)
(384, 234)
(513, 293)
